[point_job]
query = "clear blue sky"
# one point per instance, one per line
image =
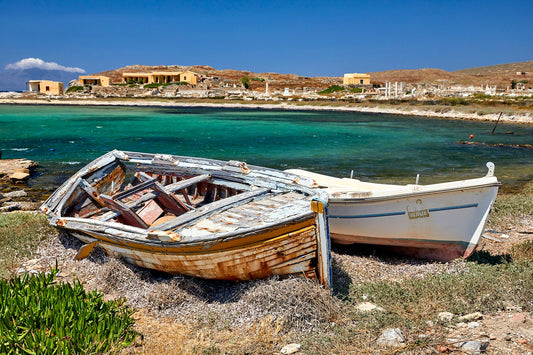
(311, 38)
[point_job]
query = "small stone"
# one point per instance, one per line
(18, 193)
(504, 236)
(507, 337)
(291, 349)
(473, 347)
(473, 325)
(471, 316)
(367, 307)
(518, 318)
(443, 349)
(492, 337)
(430, 323)
(31, 262)
(391, 337)
(460, 325)
(445, 316)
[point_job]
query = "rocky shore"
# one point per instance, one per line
(451, 113)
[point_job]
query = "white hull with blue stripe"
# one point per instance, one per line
(439, 221)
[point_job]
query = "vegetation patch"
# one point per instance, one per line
(332, 89)
(156, 85)
(245, 82)
(74, 89)
(483, 287)
(508, 209)
(356, 90)
(20, 233)
(39, 316)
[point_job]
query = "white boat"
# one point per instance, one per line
(440, 221)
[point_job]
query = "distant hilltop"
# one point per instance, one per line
(500, 75)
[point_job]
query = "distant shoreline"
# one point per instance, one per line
(522, 118)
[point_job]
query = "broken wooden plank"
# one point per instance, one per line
(126, 214)
(211, 208)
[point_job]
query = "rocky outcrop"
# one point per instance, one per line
(17, 169)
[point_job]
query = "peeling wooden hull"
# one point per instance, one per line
(258, 256)
(439, 222)
(249, 223)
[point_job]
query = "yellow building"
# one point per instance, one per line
(45, 87)
(189, 77)
(97, 80)
(356, 79)
(160, 77)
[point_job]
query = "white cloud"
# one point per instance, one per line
(36, 63)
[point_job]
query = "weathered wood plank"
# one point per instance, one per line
(126, 214)
(137, 188)
(213, 207)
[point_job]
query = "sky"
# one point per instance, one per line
(308, 38)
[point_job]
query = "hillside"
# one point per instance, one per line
(500, 75)
(230, 76)
(501, 69)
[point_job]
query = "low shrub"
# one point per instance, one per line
(153, 85)
(332, 89)
(74, 89)
(40, 316)
(356, 90)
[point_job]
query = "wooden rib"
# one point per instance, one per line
(126, 214)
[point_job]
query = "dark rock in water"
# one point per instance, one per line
(502, 145)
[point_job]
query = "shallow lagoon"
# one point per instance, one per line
(385, 148)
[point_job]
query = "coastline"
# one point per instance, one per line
(518, 118)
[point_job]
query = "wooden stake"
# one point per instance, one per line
(500, 116)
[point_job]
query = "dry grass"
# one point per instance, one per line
(194, 316)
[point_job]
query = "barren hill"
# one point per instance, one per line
(500, 75)
(501, 69)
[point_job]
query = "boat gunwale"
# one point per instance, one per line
(413, 194)
(259, 175)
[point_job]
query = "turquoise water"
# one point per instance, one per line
(385, 148)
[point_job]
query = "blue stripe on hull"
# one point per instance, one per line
(403, 212)
(371, 215)
(452, 207)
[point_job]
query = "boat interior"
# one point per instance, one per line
(147, 199)
(353, 188)
(170, 199)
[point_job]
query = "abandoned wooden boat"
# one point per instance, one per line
(198, 217)
(440, 221)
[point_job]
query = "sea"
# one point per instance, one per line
(371, 147)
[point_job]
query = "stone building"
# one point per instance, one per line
(96, 80)
(160, 77)
(356, 79)
(45, 87)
